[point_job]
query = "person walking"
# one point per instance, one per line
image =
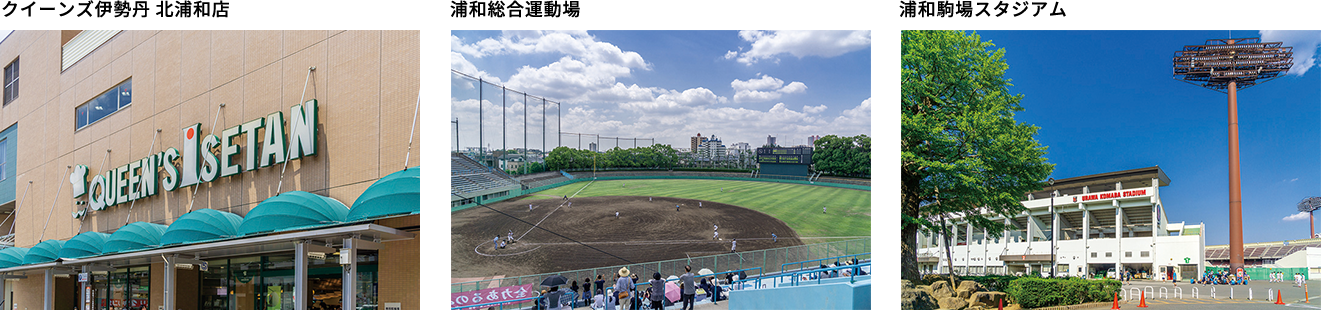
(624, 289)
(676, 208)
(657, 291)
(529, 207)
(496, 242)
(689, 288)
(733, 244)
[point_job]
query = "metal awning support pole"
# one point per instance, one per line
(409, 153)
(170, 282)
(48, 295)
(300, 276)
(351, 247)
(87, 206)
(84, 292)
(199, 184)
(53, 204)
(303, 98)
(149, 150)
(16, 208)
(350, 292)
(4, 303)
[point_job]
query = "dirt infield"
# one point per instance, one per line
(644, 231)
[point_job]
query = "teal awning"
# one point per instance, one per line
(10, 257)
(395, 194)
(134, 236)
(44, 252)
(293, 210)
(84, 245)
(202, 225)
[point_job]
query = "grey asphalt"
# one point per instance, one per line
(1196, 296)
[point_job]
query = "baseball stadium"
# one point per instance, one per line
(762, 230)
(583, 236)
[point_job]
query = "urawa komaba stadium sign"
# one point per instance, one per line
(203, 159)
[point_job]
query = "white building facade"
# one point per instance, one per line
(1103, 222)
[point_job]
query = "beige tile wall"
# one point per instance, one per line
(366, 83)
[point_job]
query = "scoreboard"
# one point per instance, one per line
(785, 155)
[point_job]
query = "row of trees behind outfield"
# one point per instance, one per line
(833, 155)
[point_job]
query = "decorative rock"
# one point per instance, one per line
(941, 290)
(969, 286)
(987, 299)
(953, 303)
(914, 299)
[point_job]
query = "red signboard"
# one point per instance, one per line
(491, 295)
(1116, 194)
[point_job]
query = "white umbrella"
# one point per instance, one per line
(704, 271)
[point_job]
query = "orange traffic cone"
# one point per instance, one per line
(1279, 299)
(1142, 303)
(1001, 304)
(1116, 306)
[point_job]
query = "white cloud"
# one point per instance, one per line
(731, 54)
(578, 44)
(857, 117)
(813, 110)
(674, 102)
(765, 88)
(461, 64)
(1304, 42)
(567, 79)
(768, 45)
(1296, 217)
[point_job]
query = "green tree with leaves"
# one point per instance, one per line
(850, 156)
(963, 154)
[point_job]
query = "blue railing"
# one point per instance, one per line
(795, 276)
(837, 258)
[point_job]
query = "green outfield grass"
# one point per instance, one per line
(848, 212)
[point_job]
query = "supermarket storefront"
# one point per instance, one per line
(216, 260)
(187, 170)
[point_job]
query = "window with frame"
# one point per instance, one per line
(11, 81)
(104, 104)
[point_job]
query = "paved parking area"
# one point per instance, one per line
(1166, 295)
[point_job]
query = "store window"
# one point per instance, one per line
(11, 81)
(104, 104)
(267, 282)
(125, 288)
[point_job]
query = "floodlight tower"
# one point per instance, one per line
(1227, 65)
(1308, 205)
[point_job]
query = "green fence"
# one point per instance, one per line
(769, 260)
(1262, 273)
(588, 178)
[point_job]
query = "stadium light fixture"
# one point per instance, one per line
(1228, 65)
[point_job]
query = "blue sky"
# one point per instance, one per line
(669, 85)
(1107, 101)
